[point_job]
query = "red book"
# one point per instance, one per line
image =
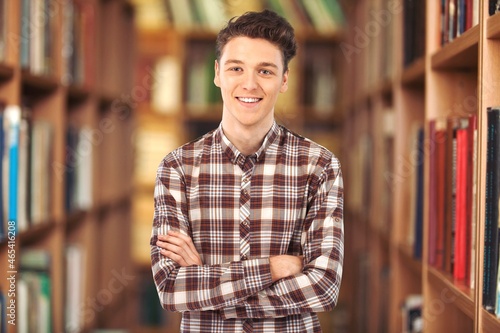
(472, 127)
(459, 269)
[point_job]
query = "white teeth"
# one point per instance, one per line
(249, 100)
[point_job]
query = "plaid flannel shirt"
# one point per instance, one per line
(287, 198)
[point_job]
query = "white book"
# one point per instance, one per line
(74, 288)
(84, 170)
(166, 92)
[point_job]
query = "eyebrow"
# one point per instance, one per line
(262, 64)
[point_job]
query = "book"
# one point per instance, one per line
(459, 268)
(12, 120)
(3, 312)
(450, 189)
(41, 171)
(74, 288)
(411, 312)
(34, 291)
(37, 39)
(320, 80)
(435, 131)
(418, 217)
(321, 18)
(413, 31)
(23, 172)
(78, 169)
(77, 43)
(493, 7)
(3, 29)
(168, 77)
(492, 196)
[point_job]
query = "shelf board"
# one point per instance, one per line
(461, 53)
(493, 26)
(77, 94)
(38, 83)
(490, 322)
(35, 232)
(414, 74)
(6, 72)
(464, 297)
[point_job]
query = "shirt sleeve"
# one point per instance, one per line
(316, 289)
(195, 288)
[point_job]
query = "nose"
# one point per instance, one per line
(250, 81)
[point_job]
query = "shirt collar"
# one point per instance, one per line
(234, 154)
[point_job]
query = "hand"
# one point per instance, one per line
(285, 265)
(180, 248)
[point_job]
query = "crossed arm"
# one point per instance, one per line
(180, 248)
(262, 287)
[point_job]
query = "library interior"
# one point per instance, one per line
(95, 93)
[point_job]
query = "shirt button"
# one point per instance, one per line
(244, 257)
(245, 223)
(245, 192)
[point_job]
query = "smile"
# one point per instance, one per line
(249, 99)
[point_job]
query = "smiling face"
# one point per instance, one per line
(250, 76)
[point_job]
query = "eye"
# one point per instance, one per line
(235, 69)
(266, 72)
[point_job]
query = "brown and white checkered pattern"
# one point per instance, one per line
(287, 198)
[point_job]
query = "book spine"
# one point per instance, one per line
(491, 213)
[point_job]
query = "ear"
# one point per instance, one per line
(284, 82)
(216, 77)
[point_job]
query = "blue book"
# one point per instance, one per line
(12, 116)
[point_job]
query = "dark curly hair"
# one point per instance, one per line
(266, 25)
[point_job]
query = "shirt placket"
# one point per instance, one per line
(247, 167)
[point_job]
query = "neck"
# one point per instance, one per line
(246, 140)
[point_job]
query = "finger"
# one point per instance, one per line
(185, 243)
(177, 254)
(175, 257)
(182, 251)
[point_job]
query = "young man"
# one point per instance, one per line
(248, 224)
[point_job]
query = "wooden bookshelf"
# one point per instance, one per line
(98, 221)
(454, 80)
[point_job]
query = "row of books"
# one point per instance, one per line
(320, 79)
(37, 38)
(187, 14)
(28, 169)
(324, 16)
(77, 42)
(200, 88)
(458, 16)
(451, 150)
(25, 148)
(33, 300)
(452, 196)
